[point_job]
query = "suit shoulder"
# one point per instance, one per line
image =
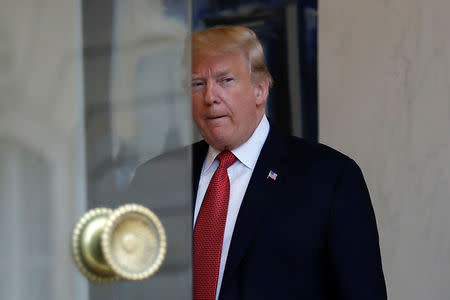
(175, 154)
(163, 161)
(317, 154)
(314, 149)
(177, 157)
(319, 160)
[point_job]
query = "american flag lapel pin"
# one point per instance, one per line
(272, 175)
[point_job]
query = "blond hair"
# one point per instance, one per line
(232, 39)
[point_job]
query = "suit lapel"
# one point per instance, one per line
(260, 194)
(199, 151)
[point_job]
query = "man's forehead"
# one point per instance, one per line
(218, 65)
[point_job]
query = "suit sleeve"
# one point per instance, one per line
(353, 240)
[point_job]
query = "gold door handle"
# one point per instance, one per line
(126, 243)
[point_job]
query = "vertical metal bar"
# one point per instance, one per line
(81, 290)
(294, 75)
(97, 16)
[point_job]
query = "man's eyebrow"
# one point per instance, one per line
(221, 73)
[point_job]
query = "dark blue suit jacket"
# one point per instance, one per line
(310, 234)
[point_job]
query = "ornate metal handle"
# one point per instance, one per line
(126, 243)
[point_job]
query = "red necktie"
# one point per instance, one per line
(208, 231)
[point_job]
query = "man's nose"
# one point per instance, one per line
(210, 93)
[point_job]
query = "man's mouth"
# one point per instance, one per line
(215, 117)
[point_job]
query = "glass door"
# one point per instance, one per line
(92, 100)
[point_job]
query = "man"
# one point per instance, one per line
(275, 217)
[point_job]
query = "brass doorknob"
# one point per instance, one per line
(126, 243)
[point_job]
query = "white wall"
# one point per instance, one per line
(42, 176)
(384, 99)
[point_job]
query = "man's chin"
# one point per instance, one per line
(219, 142)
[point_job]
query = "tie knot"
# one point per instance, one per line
(226, 159)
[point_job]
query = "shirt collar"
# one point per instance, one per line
(248, 152)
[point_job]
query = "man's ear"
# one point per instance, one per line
(261, 90)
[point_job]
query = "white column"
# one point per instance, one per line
(384, 99)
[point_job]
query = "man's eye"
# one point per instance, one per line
(227, 79)
(197, 84)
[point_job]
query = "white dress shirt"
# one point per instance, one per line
(239, 174)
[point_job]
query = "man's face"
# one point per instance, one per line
(226, 105)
